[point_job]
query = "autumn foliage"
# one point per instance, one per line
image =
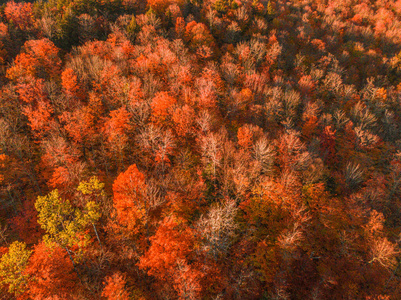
(52, 274)
(115, 288)
(200, 149)
(130, 198)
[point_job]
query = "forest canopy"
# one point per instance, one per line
(200, 149)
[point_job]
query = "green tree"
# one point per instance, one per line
(68, 30)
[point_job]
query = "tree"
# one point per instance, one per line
(354, 175)
(248, 134)
(158, 145)
(187, 281)
(40, 117)
(168, 258)
(130, 202)
(51, 274)
(25, 223)
(12, 268)
(218, 228)
(115, 130)
(54, 216)
(173, 241)
(183, 118)
(60, 163)
(328, 145)
(39, 59)
(267, 214)
(384, 253)
(264, 154)
(79, 125)
(19, 14)
(3, 52)
(64, 224)
(92, 196)
(212, 151)
(162, 108)
(160, 6)
(115, 287)
(31, 90)
(198, 35)
(69, 81)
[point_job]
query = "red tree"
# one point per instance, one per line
(115, 288)
(25, 223)
(69, 81)
(129, 198)
(169, 258)
(19, 14)
(162, 107)
(52, 274)
(115, 130)
(39, 59)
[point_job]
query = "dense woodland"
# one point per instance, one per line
(200, 149)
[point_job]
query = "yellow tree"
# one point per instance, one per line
(63, 223)
(12, 268)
